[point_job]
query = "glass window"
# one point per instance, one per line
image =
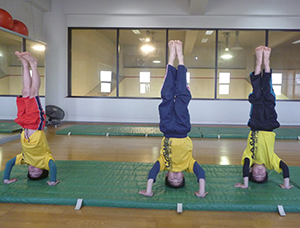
(142, 62)
(93, 62)
(285, 59)
(236, 60)
(132, 62)
(10, 66)
(199, 59)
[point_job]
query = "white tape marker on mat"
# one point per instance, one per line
(280, 210)
(78, 204)
(179, 207)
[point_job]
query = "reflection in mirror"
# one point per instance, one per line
(10, 65)
(142, 62)
(10, 80)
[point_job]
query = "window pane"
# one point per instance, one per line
(236, 57)
(285, 59)
(38, 51)
(10, 65)
(199, 58)
(93, 51)
(141, 51)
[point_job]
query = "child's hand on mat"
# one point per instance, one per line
(240, 185)
(145, 193)
(6, 181)
(52, 183)
(202, 194)
(286, 187)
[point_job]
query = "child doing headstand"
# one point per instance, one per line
(176, 146)
(259, 154)
(31, 117)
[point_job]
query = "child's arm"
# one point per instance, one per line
(245, 175)
(8, 167)
(151, 179)
(200, 173)
(53, 173)
(286, 176)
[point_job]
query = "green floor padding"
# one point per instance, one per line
(295, 176)
(116, 184)
(205, 132)
(7, 127)
(225, 132)
(128, 130)
(287, 133)
(242, 132)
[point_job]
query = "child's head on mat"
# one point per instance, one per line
(174, 179)
(258, 173)
(36, 173)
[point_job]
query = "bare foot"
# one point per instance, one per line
(172, 50)
(259, 55)
(267, 53)
(178, 45)
(31, 59)
(24, 61)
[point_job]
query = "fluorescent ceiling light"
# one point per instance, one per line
(204, 40)
(209, 32)
(39, 47)
(226, 56)
(156, 61)
(147, 48)
(136, 31)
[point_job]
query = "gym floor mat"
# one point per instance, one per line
(225, 132)
(8, 127)
(4, 138)
(200, 132)
(116, 184)
(242, 132)
(128, 130)
(287, 133)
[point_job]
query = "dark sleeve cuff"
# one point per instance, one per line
(199, 172)
(285, 169)
(246, 167)
(154, 171)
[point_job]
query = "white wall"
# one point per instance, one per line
(239, 14)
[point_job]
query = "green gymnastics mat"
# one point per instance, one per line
(121, 130)
(225, 132)
(242, 132)
(7, 127)
(295, 177)
(287, 133)
(116, 184)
